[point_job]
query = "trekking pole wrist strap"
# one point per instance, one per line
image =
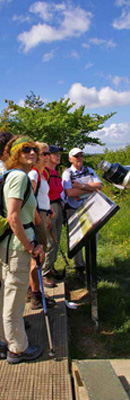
(35, 243)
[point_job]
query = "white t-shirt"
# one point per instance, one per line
(42, 197)
(2, 167)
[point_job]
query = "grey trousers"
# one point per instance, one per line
(52, 247)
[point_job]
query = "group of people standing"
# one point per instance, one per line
(32, 202)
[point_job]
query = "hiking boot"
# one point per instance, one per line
(48, 282)
(36, 301)
(31, 353)
(3, 351)
(28, 295)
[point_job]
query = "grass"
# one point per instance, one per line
(113, 271)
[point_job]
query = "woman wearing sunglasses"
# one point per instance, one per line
(22, 155)
(43, 218)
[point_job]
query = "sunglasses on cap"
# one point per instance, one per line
(27, 149)
(78, 155)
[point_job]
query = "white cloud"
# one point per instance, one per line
(42, 9)
(70, 22)
(86, 45)
(21, 18)
(76, 21)
(88, 65)
(48, 56)
(121, 3)
(120, 79)
(5, 1)
(116, 80)
(74, 54)
(59, 7)
(115, 136)
(92, 98)
(61, 82)
(123, 22)
(103, 42)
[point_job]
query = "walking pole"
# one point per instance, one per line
(38, 266)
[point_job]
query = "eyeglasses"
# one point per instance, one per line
(78, 155)
(57, 153)
(46, 153)
(27, 149)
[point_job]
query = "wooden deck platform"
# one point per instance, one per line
(46, 378)
(50, 378)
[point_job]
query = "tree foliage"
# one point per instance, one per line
(57, 122)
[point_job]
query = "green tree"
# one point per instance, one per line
(57, 122)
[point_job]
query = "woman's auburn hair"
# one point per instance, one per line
(13, 160)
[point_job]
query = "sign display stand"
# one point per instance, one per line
(91, 273)
(82, 227)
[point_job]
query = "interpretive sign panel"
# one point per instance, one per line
(88, 219)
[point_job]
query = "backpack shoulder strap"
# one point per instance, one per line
(27, 191)
(88, 170)
(38, 182)
(2, 180)
(48, 174)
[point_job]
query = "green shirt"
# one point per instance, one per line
(15, 187)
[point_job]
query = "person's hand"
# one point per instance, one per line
(38, 251)
(49, 224)
(53, 213)
(76, 185)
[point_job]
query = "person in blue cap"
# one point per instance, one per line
(55, 184)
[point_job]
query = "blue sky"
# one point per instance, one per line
(78, 49)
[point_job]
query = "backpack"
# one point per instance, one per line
(5, 229)
(49, 176)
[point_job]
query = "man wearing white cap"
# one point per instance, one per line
(78, 183)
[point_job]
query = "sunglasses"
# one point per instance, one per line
(78, 155)
(27, 149)
(46, 153)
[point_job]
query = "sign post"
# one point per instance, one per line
(82, 227)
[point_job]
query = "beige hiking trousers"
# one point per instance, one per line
(14, 284)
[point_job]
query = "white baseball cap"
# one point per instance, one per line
(75, 151)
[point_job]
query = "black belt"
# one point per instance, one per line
(26, 226)
(56, 201)
(29, 225)
(46, 211)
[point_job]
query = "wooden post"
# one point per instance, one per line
(91, 270)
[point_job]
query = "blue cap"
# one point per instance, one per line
(54, 149)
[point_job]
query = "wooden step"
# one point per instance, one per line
(96, 380)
